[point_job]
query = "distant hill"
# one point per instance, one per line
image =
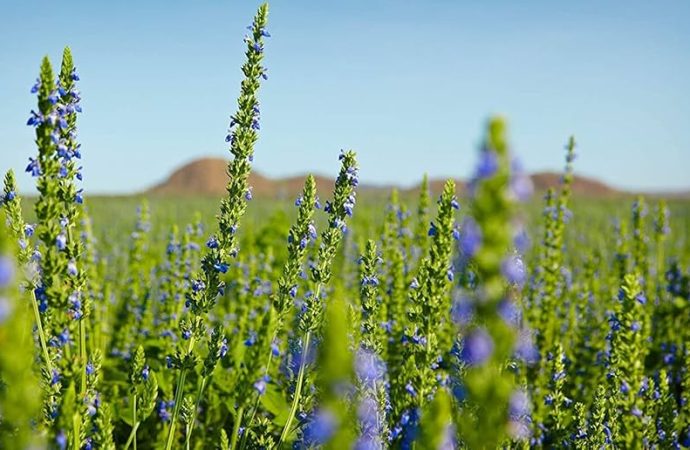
(208, 177)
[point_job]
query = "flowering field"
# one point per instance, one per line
(492, 319)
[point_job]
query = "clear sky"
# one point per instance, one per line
(406, 84)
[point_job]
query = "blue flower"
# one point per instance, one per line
(72, 268)
(34, 168)
(90, 369)
(514, 270)
(275, 349)
(223, 350)
(198, 285)
(212, 242)
(221, 267)
(61, 241)
(477, 348)
(433, 231)
(145, 373)
(369, 367)
(488, 164)
(519, 405)
(55, 377)
(470, 238)
(462, 311)
(251, 339)
(320, 428)
(6, 271)
(61, 440)
(261, 384)
(164, 409)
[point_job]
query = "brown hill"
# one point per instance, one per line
(207, 176)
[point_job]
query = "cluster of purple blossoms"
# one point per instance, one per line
(164, 409)
(320, 427)
(477, 348)
(66, 103)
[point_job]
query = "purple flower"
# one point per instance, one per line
(29, 230)
(198, 285)
(320, 428)
(90, 369)
(514, 270)
(520, 183)
(509, 312)
(34, 168)
(61, 241)
(145, 372)
(433, 231)
(454, 203)
(369, 367)
(488, 164)
(462, 311)
(251, 340)
(221, 267)
(525, 349)
(55, 377)
(470, 238)
(72, 268)
(477, 348)
(261, 383)
(212, 242)
(521, 240)
(6, 271)
(164, 409)
(519, 405)
(61, 440)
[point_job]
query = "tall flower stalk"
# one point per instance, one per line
(207, 286)
(311, 319)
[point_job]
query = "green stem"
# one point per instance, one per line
(258, 396)
(236, 428)
(178, 397)
(41, 334)
(190, 428)
(133, 434)
(298, 390)
(82, 354)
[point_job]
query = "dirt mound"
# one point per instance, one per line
(208, 176)
(583, 186)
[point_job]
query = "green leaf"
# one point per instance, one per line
(274, 403)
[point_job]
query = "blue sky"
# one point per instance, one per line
(407, 84)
